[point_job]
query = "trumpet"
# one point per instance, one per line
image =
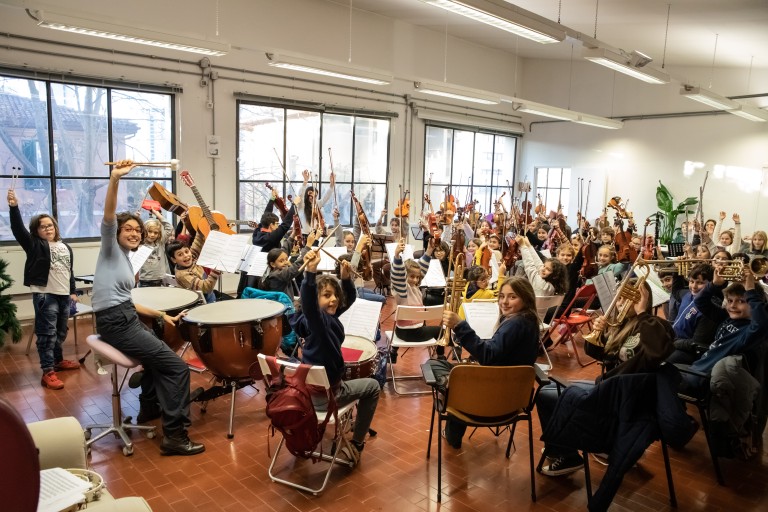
(759, 267)
(174, 164)
(453, 291)
(631, 295)
(730, 270)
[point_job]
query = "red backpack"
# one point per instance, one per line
(291, 411)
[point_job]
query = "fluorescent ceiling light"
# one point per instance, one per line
(540, 109)
(469, 121)
(332, 70)
(128, 34)
(623, 64)
(503, 18)
(456, 93)
(708, 98)
(753, 114)
(599, 122)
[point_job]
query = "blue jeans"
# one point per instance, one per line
(364, 293)
(51, 315)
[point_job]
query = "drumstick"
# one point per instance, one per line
(328, 237)
(15, 174)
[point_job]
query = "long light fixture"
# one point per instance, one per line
(332, 70)
(503, 18)
(628, 65)
(752, 113)
(127, 34)
(456, 93)
(708, 98)
(599, 122)
(540, 109)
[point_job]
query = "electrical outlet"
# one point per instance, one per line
(209, 105)
(203, 82)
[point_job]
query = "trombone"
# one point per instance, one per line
(174, 164)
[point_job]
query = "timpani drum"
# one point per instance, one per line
(228, 336)
(361, 357)
(171, 301)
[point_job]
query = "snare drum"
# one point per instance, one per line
(365, 357)
(228, 336)
(171, 301)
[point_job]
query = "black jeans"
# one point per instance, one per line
(166, 376)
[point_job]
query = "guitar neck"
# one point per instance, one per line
(206, 211)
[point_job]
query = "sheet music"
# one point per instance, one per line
(494, 269)
(249, 256)
(328, 264)
(658, 294)
(60, 489)
(407, 253)
(139, 257)
(468, 233)
(447, 234)
(605, 284)
(258, 266)
(434, 278)
(482, 317)
(546, 253)
(222, 252)
(362, 319)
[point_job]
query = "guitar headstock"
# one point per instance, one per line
(270, 187)
(187, 178)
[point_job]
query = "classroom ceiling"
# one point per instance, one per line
(733, 33)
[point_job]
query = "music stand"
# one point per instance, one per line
(417, 232)
(676, 249)
(380, 241)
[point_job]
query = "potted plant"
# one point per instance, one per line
(8, 320)
(668, 212)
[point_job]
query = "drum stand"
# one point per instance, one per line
(227, 386)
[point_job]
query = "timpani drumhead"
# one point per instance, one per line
(359, 343)
(164, 298)
(234, 311)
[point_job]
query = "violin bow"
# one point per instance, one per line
(333, 173)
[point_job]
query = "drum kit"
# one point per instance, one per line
(229, 335)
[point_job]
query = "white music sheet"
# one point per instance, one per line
(546, 253)
(406, 255)
(60, 489)
(494, 269)
(658, 294)
(222, 252)
(362, 319)
(249, 256)
(605, 284)
(434, 277)
(259, 264)
(482, 317)
(139, 257)
(327, 263)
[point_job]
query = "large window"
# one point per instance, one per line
(55, 138)
(553, 185)
(470, 165)
(300, 140)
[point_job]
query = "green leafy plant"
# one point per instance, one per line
(668, 212)
(8, 320)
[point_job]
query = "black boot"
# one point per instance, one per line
(148, 410)
(180, 444)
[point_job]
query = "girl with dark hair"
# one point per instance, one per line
(48, 273)
(547, 278)
(281, 272)
(308, 197)
(515, 340)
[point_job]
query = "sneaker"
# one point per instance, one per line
(352, 454)
(563, 466)
(51, 381)
(66, 365)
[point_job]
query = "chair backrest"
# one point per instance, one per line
(490, 391)
(544, 304)
(316, 376)
(588, 292)
(19, 465)
(419, 313)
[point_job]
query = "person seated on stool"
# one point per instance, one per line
(323, 300)
(515, 340)
(166, 376)
(639, 344)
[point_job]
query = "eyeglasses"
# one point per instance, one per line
(46, 227)
(130, 229)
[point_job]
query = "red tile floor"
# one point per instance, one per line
(394, 474)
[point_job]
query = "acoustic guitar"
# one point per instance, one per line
(167, 199)
(209, 220)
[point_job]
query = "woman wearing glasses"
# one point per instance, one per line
(48, 273)
(165, 381)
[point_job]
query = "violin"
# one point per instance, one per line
(623, 240)
(278, 201)
(365, 229)
(434, 227)
(403, 206)
(512, 254)
(540, 208)
(448, 207)
(589, 267)
(298, 239)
